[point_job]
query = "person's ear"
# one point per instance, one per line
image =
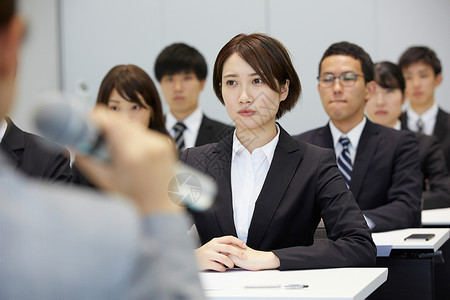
(284, 92)
(202, 84)
(370, 90)
(438, 80)
(10, 40)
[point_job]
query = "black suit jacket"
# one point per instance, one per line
(34, 155)
(302, 185)
(441, 132)
(436, 188)
(386, 179)
(211, 131)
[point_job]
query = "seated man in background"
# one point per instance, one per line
(423, 74)
(380, 165)
(385, 108)
(58, 242)
(30, 154)
(181, 71)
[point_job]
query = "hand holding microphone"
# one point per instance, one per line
(127, 158)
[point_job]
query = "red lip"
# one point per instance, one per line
(178, 98)
(381, 112)
(246, 112)
(417, 94)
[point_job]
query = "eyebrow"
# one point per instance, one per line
(234, 75)
(332, 73)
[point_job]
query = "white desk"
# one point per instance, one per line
(411, 263)
(440, 218)
(342, 283)
(436, 217)
(395, 240)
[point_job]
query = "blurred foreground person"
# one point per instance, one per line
(63, 243)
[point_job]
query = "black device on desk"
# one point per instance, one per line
(420, 236)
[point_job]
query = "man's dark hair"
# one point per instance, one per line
(7, 11)
(180, 58)
(355, 51)
(420, 54)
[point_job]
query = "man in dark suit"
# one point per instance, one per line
(436, 190)
(181, 71)
(380, 165)
(423, 74)
(34, 155)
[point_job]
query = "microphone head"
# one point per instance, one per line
(66, 125)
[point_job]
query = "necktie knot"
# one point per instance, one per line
(345, 142)
(420, 125)
(179, 128)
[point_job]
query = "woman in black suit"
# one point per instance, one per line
(273, 190)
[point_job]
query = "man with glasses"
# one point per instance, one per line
(380, 165)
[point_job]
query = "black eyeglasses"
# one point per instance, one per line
(346, 79)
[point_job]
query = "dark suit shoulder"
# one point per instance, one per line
(211, 131)
(309, 136)
(35, 155)
(216, 124)
(311, 150)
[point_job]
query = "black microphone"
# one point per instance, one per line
(66, 125)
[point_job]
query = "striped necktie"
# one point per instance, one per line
(179, 128)
(420, 125)
(344, 161)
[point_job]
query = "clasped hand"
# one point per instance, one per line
(229, 252)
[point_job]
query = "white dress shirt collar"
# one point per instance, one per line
(428, 118)
(192, 123)
(398, 125)
(268, 149)
(248, 174)
(3, 126)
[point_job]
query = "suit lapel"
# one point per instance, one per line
(366, 149)
(221, 170)
(404, 121)
(324, 138)
(13, 143)
(285, 162)
(440, 128)
(203, 132)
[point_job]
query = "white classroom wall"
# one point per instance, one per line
(73, 43)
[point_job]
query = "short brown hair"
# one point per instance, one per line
(420, 54)
(270, 60)
(129, 81)
(7, 11)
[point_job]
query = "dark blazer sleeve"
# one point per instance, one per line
(436, 192)
(349, 240)
(403, 179)
(442, 133)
